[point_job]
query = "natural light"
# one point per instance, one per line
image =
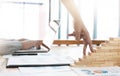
(29, 18)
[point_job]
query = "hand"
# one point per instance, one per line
(27, 44)
(82, 33)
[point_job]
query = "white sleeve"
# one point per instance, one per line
(8, 46)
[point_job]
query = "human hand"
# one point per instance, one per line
(27, 44)
(82, 33)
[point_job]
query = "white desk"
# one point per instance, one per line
(73, 52)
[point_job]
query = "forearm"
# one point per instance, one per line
(8, 46)
(72, 9)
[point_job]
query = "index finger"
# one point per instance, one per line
(89, 41)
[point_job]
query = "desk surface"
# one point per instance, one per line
(73, 52)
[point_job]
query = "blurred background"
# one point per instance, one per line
(30, 18)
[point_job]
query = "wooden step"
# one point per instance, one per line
(108, 50)
(107, 54)
(98, 64)
(114, 39)
(113, 44)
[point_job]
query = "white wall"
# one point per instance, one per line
(18, 20)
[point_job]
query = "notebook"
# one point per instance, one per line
(47, 41)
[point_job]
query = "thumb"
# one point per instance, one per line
(72, 34)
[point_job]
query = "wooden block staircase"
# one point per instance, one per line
(107, 54)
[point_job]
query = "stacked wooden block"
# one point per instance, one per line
(107, 54)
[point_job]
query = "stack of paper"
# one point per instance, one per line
(40, 60)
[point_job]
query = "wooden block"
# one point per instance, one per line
(79, 66)
(109, 47)
(98, 54)
(108, 50)
(103, 44)
(116, 65)
(111, 44)
(114, 39)
(114, 42)
(98, 62)
(93, 57)
(110, 53)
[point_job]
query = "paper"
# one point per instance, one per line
(42, 60)
(44, 69)
(62, 73)
(98, 71)
(48, 71)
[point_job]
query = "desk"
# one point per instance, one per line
(72, 51)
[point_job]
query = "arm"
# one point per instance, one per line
(80, 31)
(78, 23)
(71, 7)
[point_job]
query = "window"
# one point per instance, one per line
(29, 18)
(24, 19)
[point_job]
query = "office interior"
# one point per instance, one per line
(30, 19)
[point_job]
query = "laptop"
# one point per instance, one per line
(44, 59)
(46, 43)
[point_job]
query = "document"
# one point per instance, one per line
(44, 69)
(49, 71)
(37, 61)
(61, 73)
(98, 71)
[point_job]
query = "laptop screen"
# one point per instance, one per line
(50, 35)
